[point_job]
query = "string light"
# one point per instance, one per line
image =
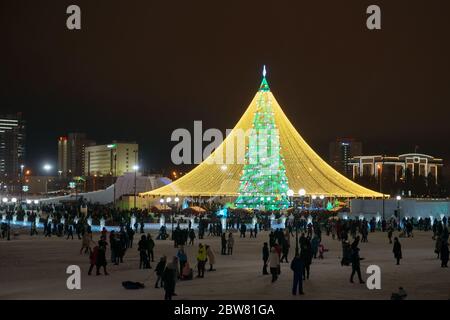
(303, 167)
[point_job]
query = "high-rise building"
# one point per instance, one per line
(341, 151)
(71, 153)
(12, 145)
(113, 159)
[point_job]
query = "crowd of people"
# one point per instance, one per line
(299, 233)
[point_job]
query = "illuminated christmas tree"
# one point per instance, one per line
(263, 183)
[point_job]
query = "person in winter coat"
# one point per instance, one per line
(284, 250)
(306, 255)
(274, 263)
(444, 254)
(86, 242)
(150, 247)
(144, 263)
(201, 260)
(230, 244)
(101, 256)
(356, 264)
(191, 236)
(297, 267)
(397, 250)
(265, 257)
(390, 231)
(187, 272)
(211, 258)
(182, 257)
(93, 259)
(224, 244)
(322, 250)
(168, 277)
(159, 271)
(437, 248)
(315, 246)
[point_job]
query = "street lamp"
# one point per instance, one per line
(21, 181)
(168, 200)
(47, 168)
(135, 168)
(398, 210)
(290, 194)
(301, 193)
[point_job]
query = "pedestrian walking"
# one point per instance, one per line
(159, 270)
(397, 250)
(274, 261)
(230, 244)
(297, 267)
(201, 261)
(265, 257)
(211, 258)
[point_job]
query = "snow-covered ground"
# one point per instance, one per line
(35, 268)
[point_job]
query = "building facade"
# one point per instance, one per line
(418, 164)
(71, 154)
(341, 151)
(113, 159)
(12, 146)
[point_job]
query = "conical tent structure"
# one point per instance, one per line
(303, 168)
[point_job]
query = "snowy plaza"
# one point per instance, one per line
(35, 268)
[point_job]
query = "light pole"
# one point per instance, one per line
(47, 169)
(5, 201)
(177, 208)
(168, 200)
(21, 182)
(290, 194)
(301, 193)
(380, 176)
(398, 211)
(135, 168)
(115, 178)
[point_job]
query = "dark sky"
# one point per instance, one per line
(140, 69)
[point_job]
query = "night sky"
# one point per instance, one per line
(140, 69)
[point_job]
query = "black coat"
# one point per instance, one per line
(297, 265)
(265, 253)
(168, 277)
(397, 250)
(444, 252)
(306, 253)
